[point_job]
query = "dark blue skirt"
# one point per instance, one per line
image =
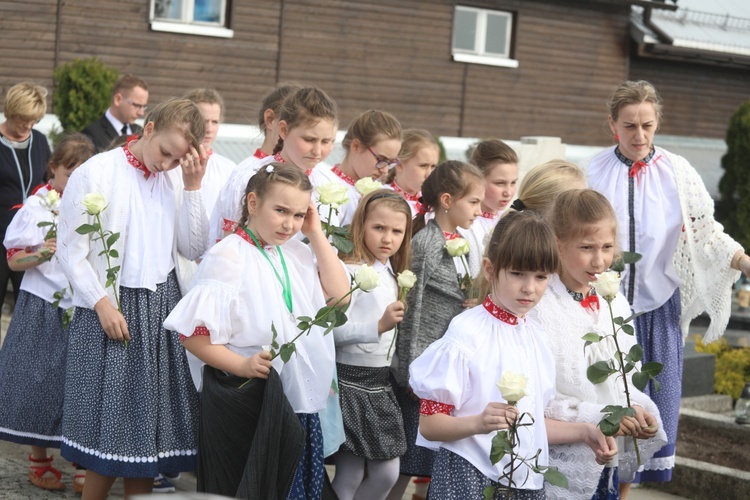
(32, 374)
(130, 411)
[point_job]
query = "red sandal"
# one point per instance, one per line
(79, 481)
(37, 472)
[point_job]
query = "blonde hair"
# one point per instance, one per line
(453, 177)
(543, 183)
(413, 140)
(208, 96)
(182, 115)
(307, 106)
(371, 127)
(490, 152)
(576, 210)
(26, 101)
(634, 92)
(393, 201)
(521, 241)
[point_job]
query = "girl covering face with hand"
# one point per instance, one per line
(372, 419)
(255, 282)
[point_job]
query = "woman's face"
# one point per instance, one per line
(18, 128)
(635, 126)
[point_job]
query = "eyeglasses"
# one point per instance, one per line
(144, 107)
(383, 162)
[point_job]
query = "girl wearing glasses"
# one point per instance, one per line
(372, 143)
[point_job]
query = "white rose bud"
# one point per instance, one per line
(332, 193)
(367, 278)
(607, 284)
(512, 386)
(52, 199)
(94, 203)
(366, 186)
(457, 247)
(406, 280)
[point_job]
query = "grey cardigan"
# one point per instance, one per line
(433, 302)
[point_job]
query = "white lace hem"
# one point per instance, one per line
(661, 463)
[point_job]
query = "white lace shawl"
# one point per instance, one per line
(703, 255)
(578, 400)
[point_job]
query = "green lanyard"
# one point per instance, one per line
(286, 285)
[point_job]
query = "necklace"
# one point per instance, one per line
(286, 285)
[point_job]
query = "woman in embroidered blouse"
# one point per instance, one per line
(24, 155)
(417, 159)
(127, 409)
(689, 264)
(456, 376)
(372, 143)
(252, 281)
(585, 227)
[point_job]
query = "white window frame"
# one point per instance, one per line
(187, 26)
(479, 56)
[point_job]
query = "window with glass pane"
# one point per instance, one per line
(497, 40)
(190, 11)
(465, 29)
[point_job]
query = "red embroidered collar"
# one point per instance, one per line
(243, 234)
(135, 162)
(336, 170)
(277, 157)
(489, 215)
(260, 154)
(407, 196)
(499, 312)
(450, 236)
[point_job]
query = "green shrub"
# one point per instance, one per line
(83, 92)
(732, 365)
(733, 210)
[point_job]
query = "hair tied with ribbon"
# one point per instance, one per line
(421, 207)
(518, 205)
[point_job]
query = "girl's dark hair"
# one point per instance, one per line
(73, 148)
(521, 241)
(307, 106)
(273, 101)
(453, 177)
(262, 180)
(394, 201)
(490, 152)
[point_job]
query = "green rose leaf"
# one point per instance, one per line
(286, 351)
(599, 372)
(501, 445)
(555, 477)
(635, 354)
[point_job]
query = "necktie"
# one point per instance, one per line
(124, 130)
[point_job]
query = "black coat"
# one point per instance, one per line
(102, 133)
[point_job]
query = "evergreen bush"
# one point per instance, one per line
(733, 209)
(83, 92)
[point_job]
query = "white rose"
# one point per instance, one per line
(367, 278)
(512, 386)
(51, 201)
(607, 284)
(332, 193)
(366, 186)
(94, 203)
(457, 247)
(406, 280)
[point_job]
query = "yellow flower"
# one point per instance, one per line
(332, 193)
(366, 186)
(512, 386)
(94, 203)
(457, 247)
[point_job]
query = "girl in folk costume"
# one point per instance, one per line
(372, 143)
(453, 192)
(499, 164)
(586, 231)
(306, 127)
(268, 117)
(128, 411)
(543, 184)
(372, 419)
(417, 159)
(248, 285)
(456, 376)
(689, 264)
(32, 358)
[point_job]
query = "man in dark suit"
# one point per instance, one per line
(129, 102)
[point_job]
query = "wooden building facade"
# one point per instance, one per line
(394, 55)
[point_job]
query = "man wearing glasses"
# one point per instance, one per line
(129, 102)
